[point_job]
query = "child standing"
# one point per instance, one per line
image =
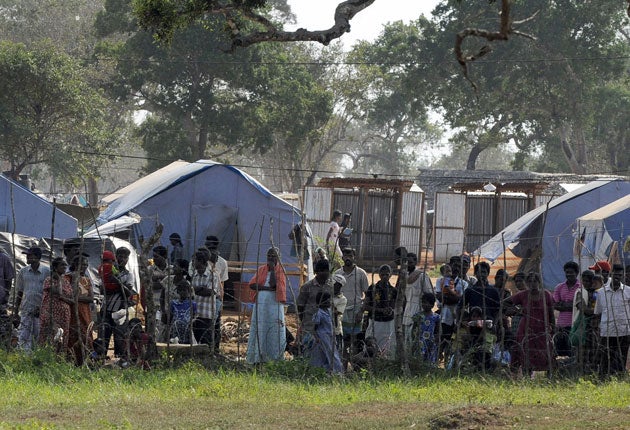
(323, 354)
(428, 328)
(182, 312)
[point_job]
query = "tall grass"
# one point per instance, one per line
(52, 381)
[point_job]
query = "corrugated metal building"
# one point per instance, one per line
(386, 214)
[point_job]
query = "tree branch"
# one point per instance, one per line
(163, 18)
(505, 30)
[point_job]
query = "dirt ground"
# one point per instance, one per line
(235, 332)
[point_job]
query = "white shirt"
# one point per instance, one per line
(614, 308)
(413, 295)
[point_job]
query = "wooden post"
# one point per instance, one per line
(398, 313)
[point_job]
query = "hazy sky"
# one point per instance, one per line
(367, 24)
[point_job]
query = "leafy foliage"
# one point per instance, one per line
(49, 113)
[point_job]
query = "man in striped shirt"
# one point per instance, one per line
(205, 283)
(29, 285)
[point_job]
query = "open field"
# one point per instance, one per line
(44, 393)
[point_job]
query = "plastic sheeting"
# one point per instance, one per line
(207, 198)
(604, 232)
(548, 231)
(16, 245)
(26, 213)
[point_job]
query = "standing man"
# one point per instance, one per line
(307, 305)
(356, 285)
(29, 286)
(563, 296)
(221, 266)
(6, 278)
(205, 283)
(613, 306)
(449, 295)
(418, 283)
(118, 286)
(380, 301)
(484, 298)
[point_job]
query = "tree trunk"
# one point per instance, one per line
(473, 155)
(569, 153)
(202, 142)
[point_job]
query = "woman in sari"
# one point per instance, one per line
(267, 332)
(533, 350)
(56, 310)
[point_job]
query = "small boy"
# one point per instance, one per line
(323, 354)
(427, 329)
(339, 306)
(182, 312)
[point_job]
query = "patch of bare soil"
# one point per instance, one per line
(470, 418)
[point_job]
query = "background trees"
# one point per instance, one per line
(209, 89)
(49, 113)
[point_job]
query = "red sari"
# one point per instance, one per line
(80, 340)
(534, 347)
(55, 313)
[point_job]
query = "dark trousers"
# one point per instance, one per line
(106, 328)
(562, 342)
(446, 339)
(614, 352)
(203, 329)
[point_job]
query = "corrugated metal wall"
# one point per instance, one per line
(348, 201)
(481, 217)
(479, 221)
(379, 226)
(374, 219)
(449, 222)
(317, 203)
(411, 225)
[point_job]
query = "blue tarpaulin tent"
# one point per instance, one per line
(208, 198)
(602, 234)
(543, 238)
(26, 213)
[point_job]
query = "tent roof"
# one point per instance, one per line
(608, 210)
(149, 179)
(31, 214)
(164, 179)
(493, 248)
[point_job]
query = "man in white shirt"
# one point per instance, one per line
(613, 306)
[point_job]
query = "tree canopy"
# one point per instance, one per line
(49, 113)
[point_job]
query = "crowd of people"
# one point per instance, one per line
(344, 319)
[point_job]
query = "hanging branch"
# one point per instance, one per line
(506, 29)
(164, 18)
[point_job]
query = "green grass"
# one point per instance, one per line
(41, 392)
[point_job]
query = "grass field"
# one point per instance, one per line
(41, 392)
